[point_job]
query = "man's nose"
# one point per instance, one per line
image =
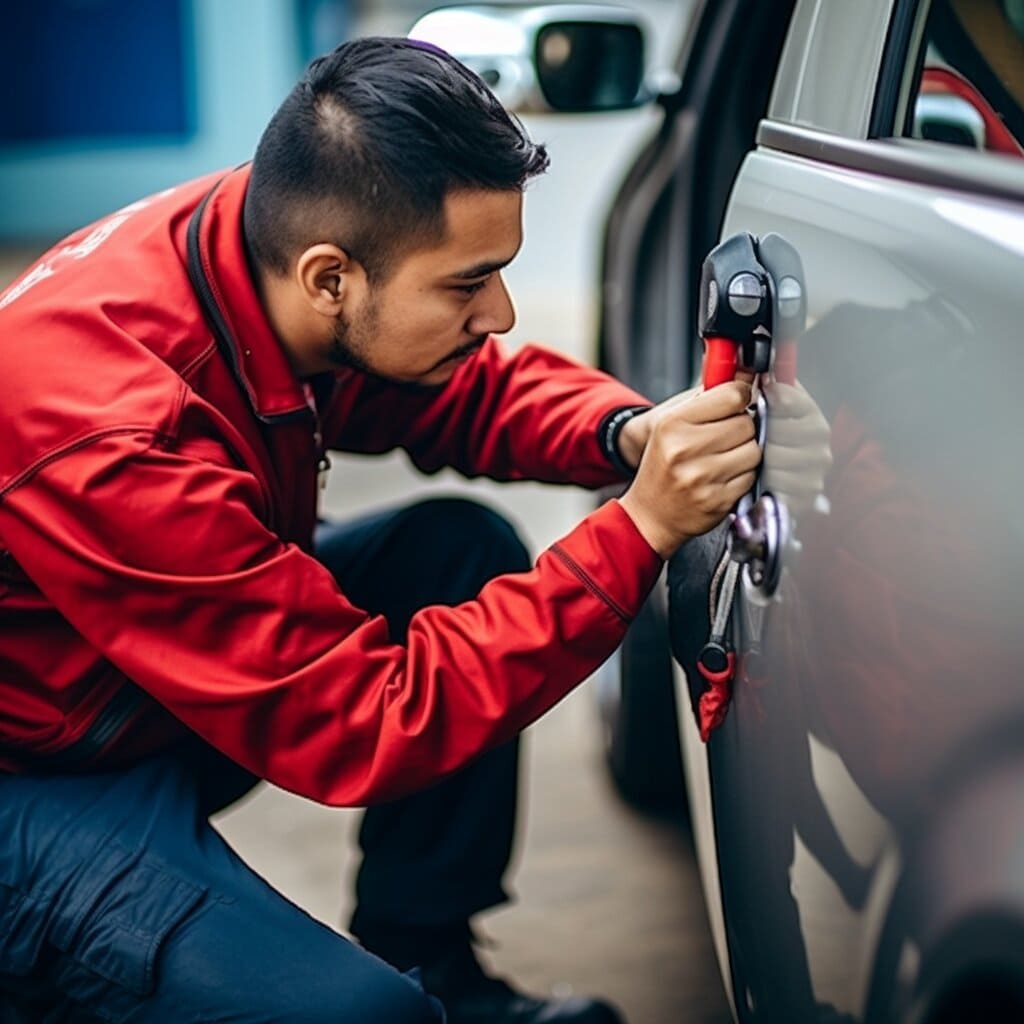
(494, 312)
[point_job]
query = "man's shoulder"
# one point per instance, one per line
(97, 334)
(124, 275)
(133, 259)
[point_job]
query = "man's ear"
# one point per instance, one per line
(328, 277)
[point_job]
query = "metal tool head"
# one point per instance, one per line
(735, 300)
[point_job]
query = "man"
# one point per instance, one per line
(173, 378)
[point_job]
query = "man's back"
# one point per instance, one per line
(94, 341)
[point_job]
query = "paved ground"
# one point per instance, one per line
(607, 901)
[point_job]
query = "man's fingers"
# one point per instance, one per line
(732, 433)
(738, 486)
(711, 438)
(738, 461)
(718, 404)
(699, 460)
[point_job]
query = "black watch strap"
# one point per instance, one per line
(608, 435)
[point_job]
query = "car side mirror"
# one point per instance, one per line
(941, 117)
(566, 57)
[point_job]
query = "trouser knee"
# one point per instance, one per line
(474, 538)
(441, 551)
(403, 1002)
(396, 999)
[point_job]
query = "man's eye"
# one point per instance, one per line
(471, 289)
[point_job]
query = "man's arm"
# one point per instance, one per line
(533, 415)
(155, 552)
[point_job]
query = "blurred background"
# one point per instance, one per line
(110, 100)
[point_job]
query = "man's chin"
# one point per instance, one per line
(434, 379)
(441, 374)
(427, 383)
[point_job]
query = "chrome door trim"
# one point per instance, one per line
(923, 163)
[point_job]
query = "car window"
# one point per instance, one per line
(829, 65)
(966, 77)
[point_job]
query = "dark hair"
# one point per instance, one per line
(366, 147)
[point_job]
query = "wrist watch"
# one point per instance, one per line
(608, 435)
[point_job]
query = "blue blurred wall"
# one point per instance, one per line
(238, 59)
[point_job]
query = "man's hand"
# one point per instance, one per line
(698, 460)
(636, 433)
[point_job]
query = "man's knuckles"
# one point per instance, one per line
(718, 403)
(683, 440)
(752, 454)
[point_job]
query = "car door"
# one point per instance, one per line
(865, 787)
(666, 214)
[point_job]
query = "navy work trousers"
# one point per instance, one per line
(119, 901)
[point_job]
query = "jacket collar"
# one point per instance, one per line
(257, 357)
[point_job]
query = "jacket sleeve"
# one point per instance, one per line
(532, 415)
(155, 552)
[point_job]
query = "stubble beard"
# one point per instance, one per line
(351, 341)
(348, 343)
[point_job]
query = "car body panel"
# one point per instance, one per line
(890, 653)
(862, 838)
(859, 817)
(698, 793)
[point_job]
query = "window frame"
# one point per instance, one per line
(893, 156)
(909, 160)
(895, 87)
(899, 86)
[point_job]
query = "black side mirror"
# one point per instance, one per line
(541, 58)
(584, 66)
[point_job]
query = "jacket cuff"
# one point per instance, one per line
(611, 559)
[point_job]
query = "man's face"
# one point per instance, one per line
(439, 303)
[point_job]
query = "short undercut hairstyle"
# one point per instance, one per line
(364, 150)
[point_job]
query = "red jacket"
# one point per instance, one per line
(157, 500)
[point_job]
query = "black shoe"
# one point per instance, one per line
(470, 996)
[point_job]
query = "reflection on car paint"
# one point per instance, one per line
(892, 641)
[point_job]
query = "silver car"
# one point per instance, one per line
(859, 809)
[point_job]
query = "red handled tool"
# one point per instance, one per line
(735, 322)
(735, 310)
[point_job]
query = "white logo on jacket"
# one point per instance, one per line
(84, 248)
